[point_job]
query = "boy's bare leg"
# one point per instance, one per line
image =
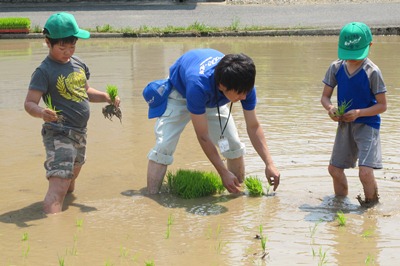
(54, 199)
(339, 181)
(155, 176)
(368, 181)
(71, 187)
(236, 166)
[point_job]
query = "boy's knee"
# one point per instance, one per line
(335, 171)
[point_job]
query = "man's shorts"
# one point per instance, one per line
(65, 150)
(356, 141)
(171, 124)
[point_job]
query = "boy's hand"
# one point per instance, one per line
(332, 114)
(117, 101)
(351, 115)
(49, 115)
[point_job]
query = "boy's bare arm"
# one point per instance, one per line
(32, 107)
(376, 109)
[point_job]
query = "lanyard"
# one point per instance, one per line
(227, 120)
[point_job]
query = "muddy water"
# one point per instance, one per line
(109, 219)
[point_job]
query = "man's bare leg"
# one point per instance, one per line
(155, 176)
(236, 166)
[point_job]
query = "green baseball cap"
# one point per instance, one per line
(354, 41)
(63, 25)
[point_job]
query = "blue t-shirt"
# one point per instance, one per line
(192, 75)
(358, 88)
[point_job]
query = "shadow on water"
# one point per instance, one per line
(21, 217)
(204, 206)
(327, 210)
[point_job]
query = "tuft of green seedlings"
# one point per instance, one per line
(254, 186)
(340, 218)
(49, 104)
(342, 107)
(189, 184)
(15, 23)
(111, 110)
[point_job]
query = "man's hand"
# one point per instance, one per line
(230, 182)
(273, 176)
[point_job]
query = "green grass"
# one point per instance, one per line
(189, 184)
(15, 23)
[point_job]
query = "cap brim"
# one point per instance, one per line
(82, 34)
(158, 110)
(345, 54)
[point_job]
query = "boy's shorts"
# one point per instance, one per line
(356, 141)
(171, 124)
(65, 150)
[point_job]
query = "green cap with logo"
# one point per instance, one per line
(63, 25)
(354, 41)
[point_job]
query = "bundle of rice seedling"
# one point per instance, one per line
(254, 186)
(111, 110)
(189, 184)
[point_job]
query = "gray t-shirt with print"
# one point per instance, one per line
(66, 84)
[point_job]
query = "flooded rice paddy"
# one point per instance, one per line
(109, 219)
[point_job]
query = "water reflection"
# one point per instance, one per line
(221, 229)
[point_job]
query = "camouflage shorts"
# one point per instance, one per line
(65, 149)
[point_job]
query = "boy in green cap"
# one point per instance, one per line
(61, 80)
(361, 91)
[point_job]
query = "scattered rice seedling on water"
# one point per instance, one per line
(79, 223)
(149, 263)
(322, 260)
(369, 260)
(340, 218)
(169, 223)
(108, 263)
(367, 233)
(26, 247)
(111, 110)
(61, 261)
(189, 184)
(263, 241)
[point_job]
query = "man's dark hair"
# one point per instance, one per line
(66, 40)
(236, 72)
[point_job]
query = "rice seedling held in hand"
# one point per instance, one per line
(342, 107)
(189, 184)
(111, 110)
(254, 186)
(48, 102)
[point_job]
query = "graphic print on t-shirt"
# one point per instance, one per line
(73, 87)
